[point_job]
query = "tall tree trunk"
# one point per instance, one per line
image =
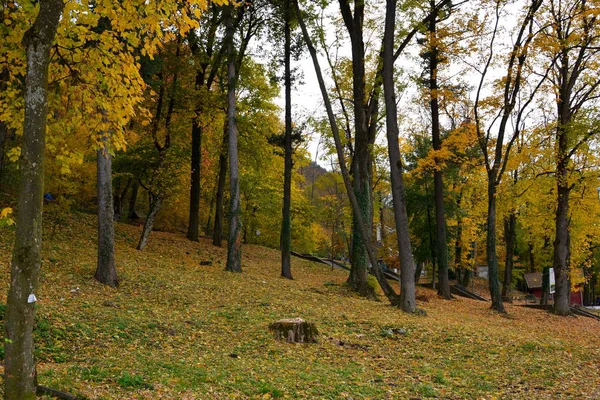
(155, 204)
(106, 267)
(510, 225)
(361, 162)
(432, 242)
(440, 213)
(562, 248)
(492, 258)
(407, 268)
(383, 283)
(286, 223)
(218, 230)
(234, 242)
(193, 232)
(19, 364)
(382, 222)
(209, 229)
(458, 247)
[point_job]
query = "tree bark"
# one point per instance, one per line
(132, 201)
(492, 258)
(193, 232)
(234, 242)
(19, 364)
(223, 157)
(361, 162)
(286, 223)
(562, 245)
(440, 213)
(510, 224)
(458, 246)
(106, 266)
(407, 268)
(149, 222)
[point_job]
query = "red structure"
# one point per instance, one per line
(533, 280)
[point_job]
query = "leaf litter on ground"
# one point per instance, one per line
(172, 328)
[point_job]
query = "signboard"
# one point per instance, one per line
(552, 280)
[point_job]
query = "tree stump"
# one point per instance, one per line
(294, 330)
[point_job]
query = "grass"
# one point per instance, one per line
(177, 330)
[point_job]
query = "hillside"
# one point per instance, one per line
(176, 329)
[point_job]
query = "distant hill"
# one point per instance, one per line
(311, 173)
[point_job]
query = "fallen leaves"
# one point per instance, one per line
(179, 330)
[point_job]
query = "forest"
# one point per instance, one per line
(422, 141)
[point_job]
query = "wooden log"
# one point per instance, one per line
(294, 330)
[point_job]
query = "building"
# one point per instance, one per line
(533, 281)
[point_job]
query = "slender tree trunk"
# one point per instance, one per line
(106, 267)
(234, 242)
(382, 222)
(218, 230)
(149, 222)
(193, 232)
(440, 213)
(510, 224)
(119, 196)
(286, 223)
(383, 283)
(492, 257)
(458, 247)
(132, 201)
(211, 207)
(19, 364)
(432, 243)
(407, 268)
(531, 257)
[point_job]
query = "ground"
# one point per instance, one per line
(176, 329)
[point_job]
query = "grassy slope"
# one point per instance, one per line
(173, 330)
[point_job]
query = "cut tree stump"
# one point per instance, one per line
(294, 330)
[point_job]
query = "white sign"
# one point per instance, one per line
(552, 280)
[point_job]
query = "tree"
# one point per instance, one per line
(106, 267)
(434, 58)
(19, 365)
(205, 77)
(573, 52)
(407, 268)
(234, 242)
(495, 151)
(364, 137)
(286, 228)
(386, 287)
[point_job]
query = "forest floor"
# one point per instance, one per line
(176, 329)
